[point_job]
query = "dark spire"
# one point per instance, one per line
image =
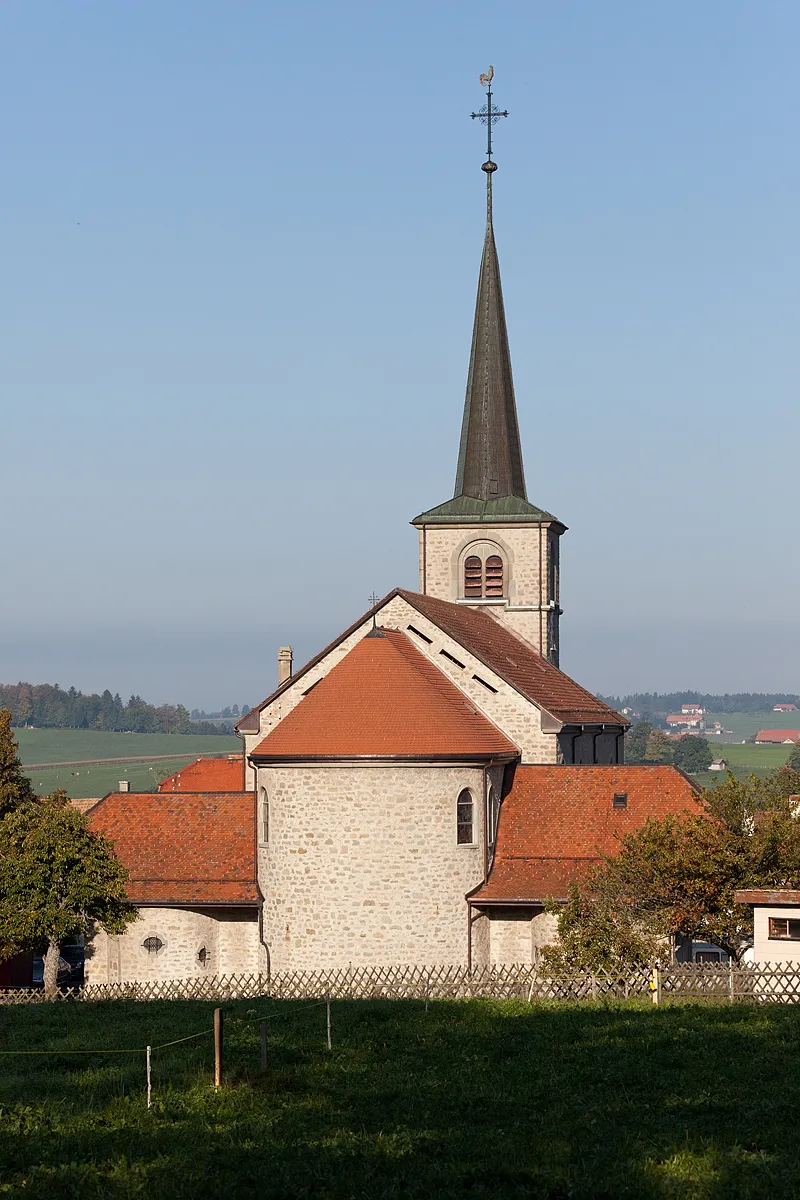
(490, 454)
(490, 481)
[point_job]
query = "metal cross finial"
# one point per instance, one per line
(373, 600)
(488, 116)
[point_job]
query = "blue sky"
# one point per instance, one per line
(240, 245)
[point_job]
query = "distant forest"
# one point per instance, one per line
(47, 706)
(661, 704)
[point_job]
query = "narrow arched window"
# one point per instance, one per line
(264, 803)
(473, 577)
(493, 816)
(464, 818)
(494, 575)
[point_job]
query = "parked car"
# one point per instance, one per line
(75, 956)
(63, 979)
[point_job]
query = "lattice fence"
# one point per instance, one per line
(705, 982)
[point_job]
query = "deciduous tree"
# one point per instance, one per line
(677, 876)
(57, 877)
(692, 753)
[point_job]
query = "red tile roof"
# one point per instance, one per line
(778, 735)
(557, 821)
(207, 775)
(494, 644)
(767, 896)
(384, 700)
(515, 661)
(195, 848)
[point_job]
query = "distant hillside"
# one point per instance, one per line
(48, 706)
(660, 704)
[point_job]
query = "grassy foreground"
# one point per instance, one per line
(479, 1099)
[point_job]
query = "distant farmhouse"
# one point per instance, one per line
(777, 736)
(420, 789)
(785, 708)
(691, 716)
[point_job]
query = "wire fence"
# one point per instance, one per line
(761, 983)
(714, 983)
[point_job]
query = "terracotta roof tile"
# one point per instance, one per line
(183, 849)
(515, 661)
(555, 823)
(207, 775)
(384, 700)
(494, 644)
(767, 896)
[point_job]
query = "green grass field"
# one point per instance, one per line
(742, 760)
(479, 1099)
(744, 725)
(99, 779)
(96, 779)
(62, 745)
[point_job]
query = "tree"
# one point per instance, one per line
(636, 741)
(15, 787)
(659, 748)
(793, 761)
(676, 877)
(693, 753)
(57, 877)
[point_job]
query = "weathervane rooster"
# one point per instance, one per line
(486, 80)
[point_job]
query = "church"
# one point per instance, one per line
(420, 789)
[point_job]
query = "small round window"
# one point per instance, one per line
(153, 944)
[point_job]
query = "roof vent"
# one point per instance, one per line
(124, 785)
(620, 799)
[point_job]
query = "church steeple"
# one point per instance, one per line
(489, 546)
(490, 454)
(490, 481)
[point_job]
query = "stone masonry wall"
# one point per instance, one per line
(363, 866)
(518, 718)
(230, 936)
(525, 550)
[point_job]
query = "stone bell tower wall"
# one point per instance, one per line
(530, 553)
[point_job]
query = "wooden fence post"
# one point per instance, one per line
(731, 992)
(149, 1094)
(217, 1047)
(329, 1021)
(656, 984)
(262, 1033)
(594, 986)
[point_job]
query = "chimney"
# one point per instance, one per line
(124, 785)
(284, 664)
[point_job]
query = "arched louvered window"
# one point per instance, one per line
(494, 575)
(464, 818)
(484, 578)
(473, 577)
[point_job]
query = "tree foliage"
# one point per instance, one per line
(692, 753)
(47, 706)
(15, 787)
(57, 877)
(660, 704)
(676, 876)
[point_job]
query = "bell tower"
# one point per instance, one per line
(489, 546)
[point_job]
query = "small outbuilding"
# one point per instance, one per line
(776, 923)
